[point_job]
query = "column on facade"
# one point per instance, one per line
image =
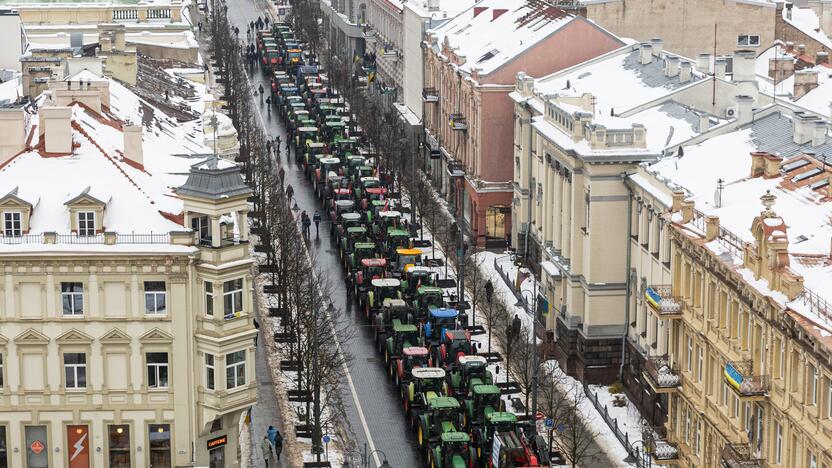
(51, 294)
(557, 209)
(566, 217)
(664, 335)
(218, 309)
(216, 234)
(94, 296)
(652, 325)
(135, 299)
(242, 224)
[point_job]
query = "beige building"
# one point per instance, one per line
(736, 323)
(126, 333)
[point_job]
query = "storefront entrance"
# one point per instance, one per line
(495, 221)
(37, 447)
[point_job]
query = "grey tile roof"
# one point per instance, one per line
(213, 181)
(773, 134)
(652, 74)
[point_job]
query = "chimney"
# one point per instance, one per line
(13, 129)
(744, 66)
(758, 164)
(803, 128)
(704, 123)
(703, 63)
(133, 148)
(821, 57)
(497, 12)
(56, 128)
(819, 133)
(678, 198)
(789, 46)
(780, 68)
(804, 81)
(771, 165)
(801, 49)
(671, 66)
(645, 53)
(685, 72)
(657, 44)
(687, 211)
(789, 10)
(720, 64)
(711, 228)
(744, 108)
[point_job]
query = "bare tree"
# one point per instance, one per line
(574, 439)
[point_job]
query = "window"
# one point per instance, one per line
(209, 298)
(778, 443)
(690, 354)
(235, 369)
(75, 370)
(724, 394)
(782, 358)
(748, 40)
(157, 370)
(72, 298)
(813, 385)
(699, 364)
(159, 437)
(154, 298)
(828, 394)
(209, 371)
(736, 407)
(232, 297)
(11, 223)
(687, 425)
(86, 223)
(202, 226)
(1, 374)
(697, 438)
(4, 458)
(813, 460)
(119, 445)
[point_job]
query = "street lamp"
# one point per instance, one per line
(533, 315)
(513, 331)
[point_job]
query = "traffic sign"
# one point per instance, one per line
(37, 447)
(326, 439)
(561, 428)
(549, 423)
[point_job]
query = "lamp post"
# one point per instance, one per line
(513, 333)
(533, 342)
(364, 458)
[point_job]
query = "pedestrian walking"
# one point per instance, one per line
(260, 90)
(317, 219)
(289, 192)
(269, 105)
(267, 21)
(304, 219)
(199, 25)
(278, 444)
(269, 147)
(281, 174)
(271, 432)
(266, 448)
(256, 327)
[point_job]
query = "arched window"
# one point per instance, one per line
(362, 13)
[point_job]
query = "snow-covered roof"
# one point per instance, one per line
(492, 32)
(138, 198)
(802, 197)
(438, 9)
(807, 21)
(817, 100)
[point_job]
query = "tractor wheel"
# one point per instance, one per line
(396, 378)
(420, 436)
(382, 341)
(431, 460)
(406, 405)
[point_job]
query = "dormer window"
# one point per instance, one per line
(86, 223)
(12, 225)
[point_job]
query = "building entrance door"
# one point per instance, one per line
(37, 448)
(216, 458)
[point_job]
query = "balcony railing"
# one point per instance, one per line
(661, 451)
(107, 238)
(739, 375)
(740, 456)
(430, 95)
(663, 378)
(663, 302)
(458, 122)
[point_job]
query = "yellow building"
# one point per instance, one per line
(746, 314)
(126, 333)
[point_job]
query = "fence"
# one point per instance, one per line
(508, 281)
(73, 239)
(613, 425)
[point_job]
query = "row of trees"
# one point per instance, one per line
(296, 290)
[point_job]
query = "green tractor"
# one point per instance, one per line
(441, 415)
(365, 267)
(471, 371)
(426, 383)
(485, 400)
(428, 298)
(346, 244)
(380, 289)
(396, 239)
(343, 222)
(414, 278)
(515, 447)
(411, 358)
(403, 335)
(393, 312)
(454, 450)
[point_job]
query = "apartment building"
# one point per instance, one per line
(738, 336)
(126, 333)
(344, 22)
(470, 67)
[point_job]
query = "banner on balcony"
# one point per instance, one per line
(652, 297)
(733, 375)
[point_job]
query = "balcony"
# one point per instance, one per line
(458, 122)
(430, 95)
(661, 375)
(749, 387)
(663, 302)
(661, 451)
(740, 456)
(456, 169)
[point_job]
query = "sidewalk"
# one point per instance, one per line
(265, 412)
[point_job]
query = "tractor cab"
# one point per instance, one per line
(354, 162)
(305, 134)
(484, 401)
(324, 167)
(339, 207)
(472, 371)
(313, 150)
(366, 183)
(454, 450)
(346, 220)
(396, 239)
(515, 452)
(415, 277)
(495, 423)
(429, 298)
(428, 383)
(368, 268)
(401, 336)
(372, 211)
(407, 257)
(440, 320)
(380, 289)
(413, 357)
(367, 170)
(345, 145)
(334, 128)
(453, 345)
(351, 237)
(441, 416)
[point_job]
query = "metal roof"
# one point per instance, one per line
(468, 358)
(444, 313)
(415, 351)
(214, 180)
(385, 283)
(774, 132)
(428, 373)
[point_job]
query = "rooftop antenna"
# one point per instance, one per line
(720, 186)
(713, 88)
(214, 122)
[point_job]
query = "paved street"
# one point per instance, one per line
(385, 429)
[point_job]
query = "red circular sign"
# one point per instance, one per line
(37, 447)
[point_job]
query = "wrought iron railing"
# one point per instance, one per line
(739, 375)
(660, 370)
(659, 448)
(740, 456)
(662, 300)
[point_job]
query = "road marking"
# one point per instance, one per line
(370, 444)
